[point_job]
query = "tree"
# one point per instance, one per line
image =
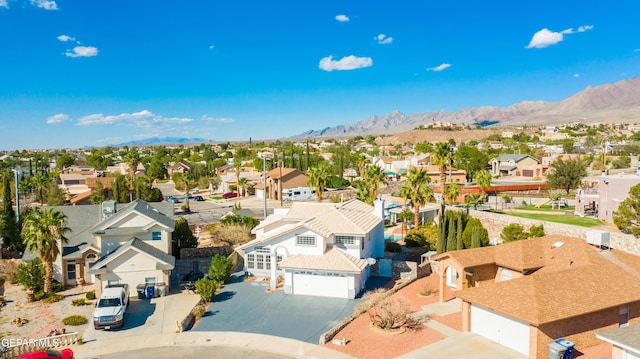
(207, 289)
(182, 237)
(483, 178)
(374, 176)
(31, 275)
(459, 243)
(513, 232)
(451, 235)
(385, 311)
(97, 194)
(474, 200)
(132, 159)
(536, 231)
(40, 183)
(567, 174)
(41, 231)
(237, 166)
(416, 190)
(451, 192)
(220, 269)
(471, 159)
(441, 156)
(627, 217)
(9, 226)
(65, 160)
(55, 195)
(474, 234)
(244, 185)
(318, 179)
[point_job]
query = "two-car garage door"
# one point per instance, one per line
(321, 284)
(504, 330)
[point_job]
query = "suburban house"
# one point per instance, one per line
(602, 195)
(116, 244)
(511, 164)
(280, 177)
(526, 294)
(321, 249)
(625, 341)
(453, 174)
(179, 167)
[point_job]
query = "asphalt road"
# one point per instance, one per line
(217, 352)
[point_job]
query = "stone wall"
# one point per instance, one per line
(494, 222)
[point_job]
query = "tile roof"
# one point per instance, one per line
(574, 279)
(333, 259)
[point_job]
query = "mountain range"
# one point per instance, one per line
(614, 103)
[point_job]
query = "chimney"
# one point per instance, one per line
(378, 207)
(108, 209)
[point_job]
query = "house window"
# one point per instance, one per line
(305, 240)
(150, 281)
(259, 261)
(251, 258)
(111, 282)
(346, 240)
(278, 260)
(156, 236)
(262, 250)
(452, 277)
(506, 274)
(71, 270)
(623, 315)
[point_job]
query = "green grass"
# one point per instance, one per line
(565, 219)
(546, 208)
(162, 181)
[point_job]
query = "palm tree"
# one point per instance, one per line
(244, 184)
(374, 176)
(405, 215)
(441, 156)
(416, 190)
(474, 200)
(483, 178)
(318, 179)
(132, 159)
(40, 183)
(451, 192)
(237, 165)
(41, 231)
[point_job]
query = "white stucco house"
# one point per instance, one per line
(116, 244)
(321, 249)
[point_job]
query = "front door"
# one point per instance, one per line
(91, 258)
(71, 273)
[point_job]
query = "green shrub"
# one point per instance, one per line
(56, 286)
(31, 274)
(392, 247)
(199, 311)
(75, 319)
(206, 288)
(79, 302)
(91, 295)
(53, 298)
(220, 269)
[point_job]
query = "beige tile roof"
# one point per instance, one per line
(333, 259)
(575, 279)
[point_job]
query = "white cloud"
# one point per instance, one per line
(59, 118)
(144, 118)
(383, 39)
(576, 75)
(342, 18)
(346, 63)
(4, 4)
(211, 46)
(546, 37)
(439, 67)
(45, 4)
(82, 51)
(65, 38)
(220, 120)
(636, 50)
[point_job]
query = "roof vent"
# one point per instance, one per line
(557, 244)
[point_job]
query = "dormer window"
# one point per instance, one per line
(156, 236)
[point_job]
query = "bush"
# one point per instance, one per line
(386, 312)
(392, 247)
(467, 234)
(220, 269)
(91, 295)
(75, 319)
(425, 236)
(206, 288)
(31, 275)
(53, 298)
(513, 232)
(199, 311)
(79, 302)
(56, 286)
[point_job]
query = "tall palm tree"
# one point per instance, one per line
(318, 179)
(483, 178)
(244, 184)
(40, 183)
(237, 165)
(416, 190)
(132, 159)
(441, 156)
(451, 192)
(374, 176)
(41, 231)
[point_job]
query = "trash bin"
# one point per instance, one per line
(150, 291)
(569, 345)
(140, 290)
(556, 351)
(160, 289)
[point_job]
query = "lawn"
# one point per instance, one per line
(566, 219)
(546, 208)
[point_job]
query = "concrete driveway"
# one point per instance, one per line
(247, 307)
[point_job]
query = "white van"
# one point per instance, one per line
(298, 194)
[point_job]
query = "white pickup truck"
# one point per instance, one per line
(111, 306)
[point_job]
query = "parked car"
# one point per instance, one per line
(172, 199)
(198, 198)
(111, 307)
(229, 195)
(48, 354)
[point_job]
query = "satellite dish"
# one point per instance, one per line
(371, 261)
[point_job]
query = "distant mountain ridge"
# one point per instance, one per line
(162, 141)
(619, 102)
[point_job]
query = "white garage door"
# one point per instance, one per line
(631, 355)
(320, 284)
(504, 330)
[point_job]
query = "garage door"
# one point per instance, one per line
(631, 355)
(320, 284)
(504, 330)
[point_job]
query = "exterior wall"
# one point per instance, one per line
(132, 268)
(354, 249)
(580, 330)
(613, 189)
(466, 316)
(482, 275)
(375, 241)
(446, 292)
(109, 243)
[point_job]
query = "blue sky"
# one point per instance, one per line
(88, 73)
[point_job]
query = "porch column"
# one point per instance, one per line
(273, 282)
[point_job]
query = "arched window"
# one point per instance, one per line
(452, 277)
(92, 256)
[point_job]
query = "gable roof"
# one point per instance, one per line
(165, 261)
(624, 337)
(141, 207)
(334, 260)
(515, 157)
(571, 280)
